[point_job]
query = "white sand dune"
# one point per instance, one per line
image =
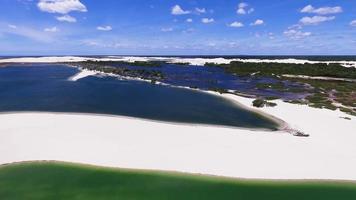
(51, 59)
(59, 59)
(329, 153)
(192, 61)
(203, 61)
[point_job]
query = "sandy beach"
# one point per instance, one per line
(329, 153)
(115, 141)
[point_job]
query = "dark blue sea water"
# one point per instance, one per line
(46, 88)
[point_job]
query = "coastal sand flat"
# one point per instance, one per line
(329, 152)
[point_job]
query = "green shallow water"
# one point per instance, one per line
(53, 181)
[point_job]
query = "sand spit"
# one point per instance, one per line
(82, 74)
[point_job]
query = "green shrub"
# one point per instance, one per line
(259, 103)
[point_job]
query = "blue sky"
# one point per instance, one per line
(177, 27)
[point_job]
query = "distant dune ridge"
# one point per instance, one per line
(192, 61)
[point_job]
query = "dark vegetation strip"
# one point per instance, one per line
(118, 68)
(271, 69)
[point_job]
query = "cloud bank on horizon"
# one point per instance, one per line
(50, 27)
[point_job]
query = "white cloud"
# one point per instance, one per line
(243, 9)
(296, 34)
(307, 9)
(322, 10)
(12, 26)
(200, 10)
(243, 5)
(30, 33)
(233, 44)
(207, 20)
(167, 29)
(236, 24)
(61, 6)
(271, 36)
(66, 18)
(295, 26)
(189, 20)
(258, 22)
(177, 10)
(315, 20)
(103, 43)
(188, 31)
(104, 28)
(353, 23)
(52, 29)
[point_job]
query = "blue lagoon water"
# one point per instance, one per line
(46, 88)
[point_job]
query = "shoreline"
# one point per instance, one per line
(136, 118)
(151, 145)
(282, 125)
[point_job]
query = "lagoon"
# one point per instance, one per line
(46, 88)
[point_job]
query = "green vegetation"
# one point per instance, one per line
(182, 63)
(219, 90)
(118, 68)
(145, 63)
(272, 69)
(260, 103)
(328, 94)
(44, 181)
